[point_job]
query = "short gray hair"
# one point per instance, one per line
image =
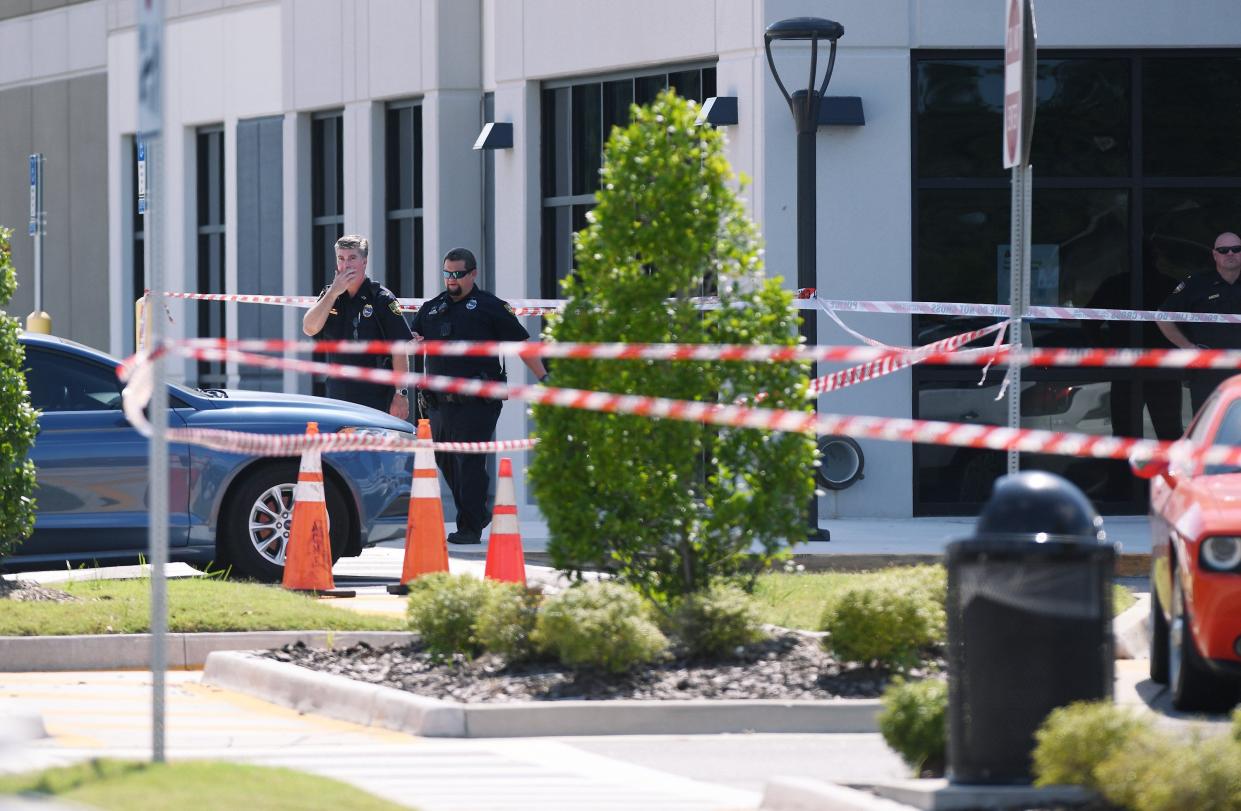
(354, 242)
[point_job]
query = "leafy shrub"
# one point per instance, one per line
(18, 421)
(1074, 740)
(716, 621)
(670, 505)
(880, 620)
(603, 624)
(914, 722)
(443, 610)
(507, 619)
(1158, 772)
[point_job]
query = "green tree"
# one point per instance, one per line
(17, 419)
(671, 506)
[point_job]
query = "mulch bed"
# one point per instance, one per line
(25, 591)
(787, 666)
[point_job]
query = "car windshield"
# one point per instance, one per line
(1229, 433)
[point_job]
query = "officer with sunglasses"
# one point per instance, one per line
(466, 312)
(1212, 291)
(356, 308)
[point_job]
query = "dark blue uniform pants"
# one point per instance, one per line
(466, 473)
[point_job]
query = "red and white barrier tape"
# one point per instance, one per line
(1140, 358)
(807, 299)
(883, 428)
(293, 444)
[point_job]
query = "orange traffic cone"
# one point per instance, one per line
(426, 548)
(505, 560)
(308, 554)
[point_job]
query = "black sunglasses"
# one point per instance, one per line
(461, 274)
(1228, 249)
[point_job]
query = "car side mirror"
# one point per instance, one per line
(1149, 468)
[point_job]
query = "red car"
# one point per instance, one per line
(1195, 512)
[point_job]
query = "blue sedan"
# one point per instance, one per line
(229, 511)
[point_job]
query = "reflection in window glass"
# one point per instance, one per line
(1079, 252)
(61, 383)
(1181, 226)
(955, 477)
(1191, 118)
(1081, 129)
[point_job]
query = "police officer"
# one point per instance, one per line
(356, 308)
(465, 312)
(1213, 291)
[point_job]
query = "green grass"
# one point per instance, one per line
(201, 785)
(796, 600)
(194, 605)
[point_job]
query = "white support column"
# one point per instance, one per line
(517, 235)
(296, 195)
(451, 177)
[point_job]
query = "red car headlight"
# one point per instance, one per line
(1221, 553)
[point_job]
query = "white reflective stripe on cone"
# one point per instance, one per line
(310, 462)
(504, 524)
(426, 488)
(308, 491)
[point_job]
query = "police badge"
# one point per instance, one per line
(471, 304)
(367, 311)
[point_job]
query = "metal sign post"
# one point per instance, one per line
(37, 321)
(1019, 101)
(150, 127)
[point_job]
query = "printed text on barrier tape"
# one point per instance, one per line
(1140, 358)
(805, 302)
(966, 435)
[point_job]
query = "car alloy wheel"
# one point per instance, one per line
(256, 525)
(271, 520)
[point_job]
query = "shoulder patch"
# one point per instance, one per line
(1179, 287)
(509, 307)
(394, 306)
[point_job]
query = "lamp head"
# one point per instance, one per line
(803, 28)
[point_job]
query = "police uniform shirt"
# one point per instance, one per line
(1207, 293)
(372, 314)
(479, 316)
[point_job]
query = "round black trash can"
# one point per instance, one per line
(1029, 623)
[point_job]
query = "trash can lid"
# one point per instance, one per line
(1039, 507)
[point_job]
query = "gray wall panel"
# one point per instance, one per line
(88, 207)
(14, 193)
(260, 223)
(50, 135)
(68, 122)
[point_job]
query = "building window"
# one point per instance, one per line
(403, 197)
(137, 236)
(327, 204)
(577, 118)
(210, 187)
(1131, 185)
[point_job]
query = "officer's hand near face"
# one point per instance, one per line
(344, 278)
(417, 337)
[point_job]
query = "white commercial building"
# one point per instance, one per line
(289, 122)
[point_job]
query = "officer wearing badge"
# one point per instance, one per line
(1213, 291)
(357, 308)
(465, 312)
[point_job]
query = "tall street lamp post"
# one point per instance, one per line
(804, 105)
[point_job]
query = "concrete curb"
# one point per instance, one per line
(808, 794)
(1131, 630)
(185, 651)
(347, 700)
(18, 725)
(940, 795)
